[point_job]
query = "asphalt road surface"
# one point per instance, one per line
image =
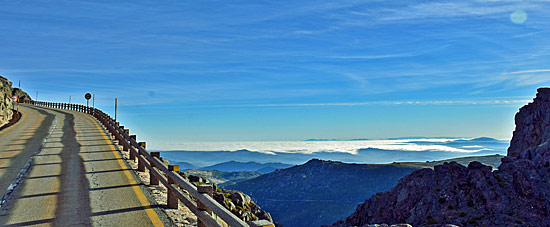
(77, 178)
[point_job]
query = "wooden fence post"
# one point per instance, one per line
(126, 144)
(132, 154)
(208, 190)
(153, 180)
(172, 198)
(141, 166)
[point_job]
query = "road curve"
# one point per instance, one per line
(77, 179)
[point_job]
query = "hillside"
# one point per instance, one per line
(219, 177)
(517, 194)
(319, 192)
(490, 160)
(5, 101)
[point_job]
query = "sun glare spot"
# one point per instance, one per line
(518, 17)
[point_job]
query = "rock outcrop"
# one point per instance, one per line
(23, 96)
(6, 106)
(237, 202)
(517, 194)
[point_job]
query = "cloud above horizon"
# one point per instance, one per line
(312, 147)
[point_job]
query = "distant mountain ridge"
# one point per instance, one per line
(472, 147)
(319, 192)
(234, 166)
(186, 165)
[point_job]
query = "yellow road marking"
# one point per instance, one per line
(23, 117)
(142, 199)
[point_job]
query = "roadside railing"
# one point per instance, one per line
(208, 211)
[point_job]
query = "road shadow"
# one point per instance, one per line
(18, 161)
(73, 203)
(72, 200)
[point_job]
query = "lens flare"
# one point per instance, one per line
(518, 17)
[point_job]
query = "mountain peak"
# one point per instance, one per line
(476, 195)
(316, 161)
(544, 93)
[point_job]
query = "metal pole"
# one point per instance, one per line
(36, 96)
(69, 99)
(18, 95)
(116, 103)
(93, 104)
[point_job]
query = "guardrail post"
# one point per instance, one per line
(172, 200)
(208, 190)
(126, 144)
(153, 180)
(132, 154)
(141, 166)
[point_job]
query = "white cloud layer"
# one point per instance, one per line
(309, 147)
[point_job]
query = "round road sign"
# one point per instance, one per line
(88, 96)
(14, 98)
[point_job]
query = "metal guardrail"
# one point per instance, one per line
(207, 210)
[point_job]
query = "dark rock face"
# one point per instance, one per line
(517, 194)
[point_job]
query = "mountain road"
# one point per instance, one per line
(59, 168)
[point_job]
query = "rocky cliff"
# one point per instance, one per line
(320, 192)
(5, 101)
(517, 194)
(23, 96)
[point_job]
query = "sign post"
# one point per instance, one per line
(93, 105)
(88, 96)
(14, 100)
(116, 103)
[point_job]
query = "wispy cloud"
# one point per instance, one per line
(440, 102)
(531, 71)
(375, 56)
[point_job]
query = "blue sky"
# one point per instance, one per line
(285, 70)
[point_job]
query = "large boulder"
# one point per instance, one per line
(237, 202)
(517, 194)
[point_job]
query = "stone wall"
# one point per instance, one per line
(6, 105)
